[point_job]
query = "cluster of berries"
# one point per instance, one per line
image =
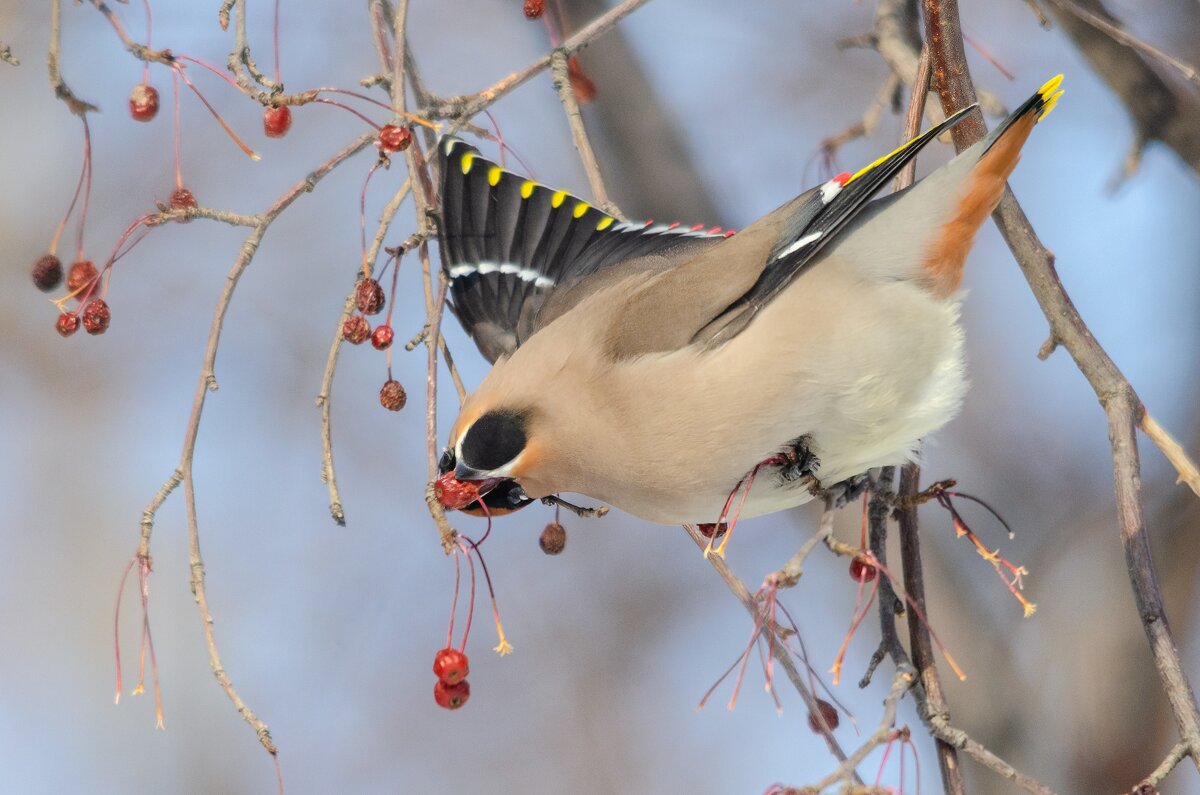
(83, 282)
(452, 689)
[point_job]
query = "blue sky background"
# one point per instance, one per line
(329, 632)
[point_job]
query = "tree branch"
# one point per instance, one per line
(1121, 405)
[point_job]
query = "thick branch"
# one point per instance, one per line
(1118, 398)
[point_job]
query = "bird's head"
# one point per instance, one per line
(489, 454)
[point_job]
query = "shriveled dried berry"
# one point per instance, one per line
(143, 102)
(451, 696)
(392, 396)
(96, 316)
(369, 297)
(47, 273)
(356, 329)
(277, 121)
(67, 324)
(183, 199)
(712, 529)
(534, 8)
(382, 338)
(828, 712)
(861, 569)
(451, 666)
(394, 138)
(553, 539)
(81, 274)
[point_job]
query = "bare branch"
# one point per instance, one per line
(1118, 33)
(1160, 110)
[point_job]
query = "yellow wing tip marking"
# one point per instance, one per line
(467, 160)
(494, 174)
(605, 223)
(527, 188)
(581, 208)
(558, 198)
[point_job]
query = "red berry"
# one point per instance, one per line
(712, 529)
(450, 666)
(369, 297)
(453, 493)
(143, 102)
(553, 539)
(861, 569)
(67, 324)
(393, 138)
(47, 273)
(828, 712)
(96, 316)
(81, 275)
(534, 8)
(356, 329)
(381, 338)
(451, 696)
(182, 199)
(277, 120)
(392, 396)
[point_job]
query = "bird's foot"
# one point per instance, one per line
(798, 460)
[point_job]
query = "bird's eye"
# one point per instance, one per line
(446, 463)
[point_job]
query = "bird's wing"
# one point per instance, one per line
(518, 253)
(912, 228)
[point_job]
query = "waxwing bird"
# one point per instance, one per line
(661, 368)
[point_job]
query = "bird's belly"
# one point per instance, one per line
(864, 382)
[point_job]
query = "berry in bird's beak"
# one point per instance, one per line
(457, 494)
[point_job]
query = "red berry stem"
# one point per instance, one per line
(87, 188)
(454, 602)
(504, 647)
(83, 172)
(346, 108)
(178, 132)
(362, 218)
(250, 153)
(117, 625)
(470, 600)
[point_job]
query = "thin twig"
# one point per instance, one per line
(778, 650)
(1188, 71)
(1176, 755)
(884, 732)
(205, 384)
(477, 102)
(1184, 465)
(566, 95)
(76, 105)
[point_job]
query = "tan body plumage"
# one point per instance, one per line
(657, 384)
